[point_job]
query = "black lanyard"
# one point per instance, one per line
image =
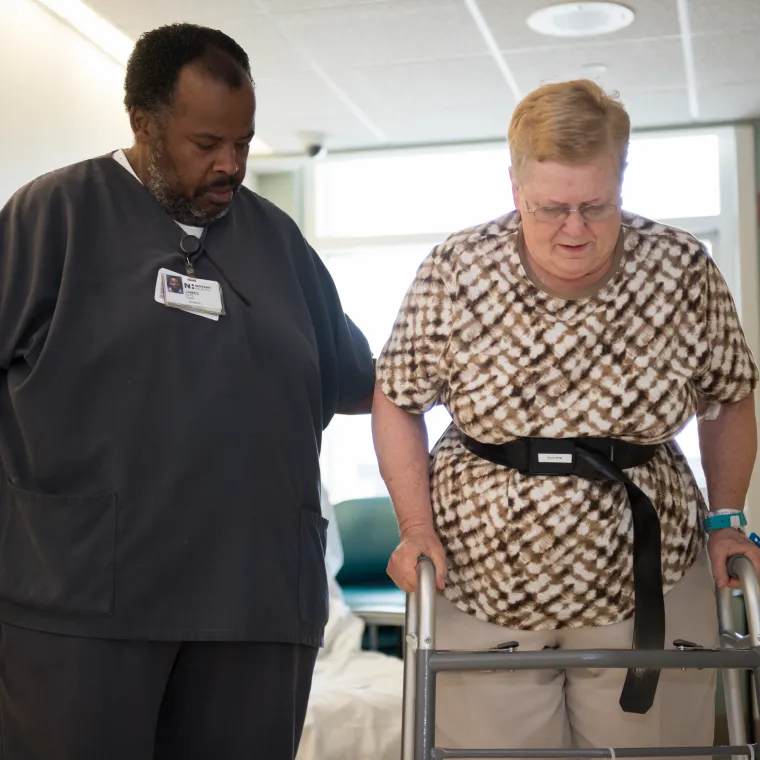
(190, 245)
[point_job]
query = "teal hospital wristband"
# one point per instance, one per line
(724, 518)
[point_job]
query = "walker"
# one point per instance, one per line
(422, 661)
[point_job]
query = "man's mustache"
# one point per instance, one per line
(226, 184)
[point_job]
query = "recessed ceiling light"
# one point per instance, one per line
(586, 19)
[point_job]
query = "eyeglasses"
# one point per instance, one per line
(591, 212)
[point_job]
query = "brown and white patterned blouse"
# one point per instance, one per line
(477, 333)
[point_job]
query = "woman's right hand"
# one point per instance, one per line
(415, 542)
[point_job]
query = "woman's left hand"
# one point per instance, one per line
(724, 543)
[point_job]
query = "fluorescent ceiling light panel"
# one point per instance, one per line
(110, 40)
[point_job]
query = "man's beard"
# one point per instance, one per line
(162, 181)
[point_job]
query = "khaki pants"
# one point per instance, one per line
(578, 708)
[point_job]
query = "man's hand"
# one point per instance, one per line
(724, 543)
(402, 567)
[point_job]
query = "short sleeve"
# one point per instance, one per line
(410, 368)
(346, 364)
(729, 372)
(31, 262)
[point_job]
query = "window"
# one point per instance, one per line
(408, 194)
(673, 177)
(433, 193)
(372, 282)
(375, 217)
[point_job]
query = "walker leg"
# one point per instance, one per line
(410, 643)
(731, 679)
(425, 707)
(740, 567)
(425, 686)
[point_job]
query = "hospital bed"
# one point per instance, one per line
(354, 711)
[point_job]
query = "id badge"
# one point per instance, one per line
(183, 292)
(178, 291)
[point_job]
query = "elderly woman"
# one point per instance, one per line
(571, 342)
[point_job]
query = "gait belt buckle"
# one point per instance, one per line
(547, 456)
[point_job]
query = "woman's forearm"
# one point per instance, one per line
(728, 445)
(402, 452)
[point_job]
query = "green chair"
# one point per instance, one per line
(369, 534)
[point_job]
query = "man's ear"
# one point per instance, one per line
(143, 125)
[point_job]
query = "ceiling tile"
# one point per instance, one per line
(508, 23)
(269, 54)
(137, 17)
(422, 126)
(445, 83)
(656, 108)
(308, 107)
(727, 58)
(730, 102)
(134, 17)
(307, 95)
(288, 6)
(629, 64)
(378, 33)
(716, 16)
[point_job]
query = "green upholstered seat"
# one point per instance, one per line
(369, 534)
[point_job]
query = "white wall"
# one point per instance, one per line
(61, 97)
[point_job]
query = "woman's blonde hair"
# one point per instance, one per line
(571, 123)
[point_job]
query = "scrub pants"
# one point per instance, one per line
(578, 708)
(70, 698)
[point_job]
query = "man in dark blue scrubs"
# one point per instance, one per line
(171, 350)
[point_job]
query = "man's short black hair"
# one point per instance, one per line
(160, 54)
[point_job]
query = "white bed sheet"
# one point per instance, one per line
(355, 707)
